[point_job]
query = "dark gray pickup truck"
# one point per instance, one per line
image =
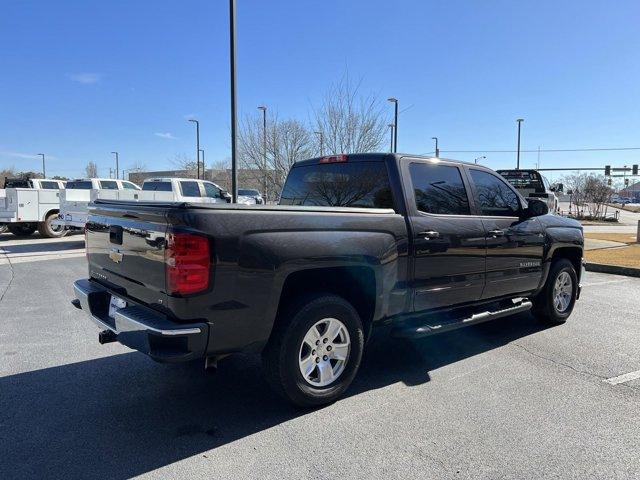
(422, 245)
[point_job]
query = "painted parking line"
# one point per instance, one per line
(627, 377)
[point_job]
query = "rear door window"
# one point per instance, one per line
(79, 185)
(439, 189)
(190, 189)
(493, 195)
(108, 184)
(357, 184)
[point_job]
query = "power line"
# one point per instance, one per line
(546, 150)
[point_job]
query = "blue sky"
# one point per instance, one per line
(79, 79)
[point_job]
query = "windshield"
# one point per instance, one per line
(248, 192)
(358, 184)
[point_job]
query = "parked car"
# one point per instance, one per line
(27, 205)
(249, 196)
(182, 190)
(422, 245)
(532, 184)
(75, 199)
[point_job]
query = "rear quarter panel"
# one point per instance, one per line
(255, 251)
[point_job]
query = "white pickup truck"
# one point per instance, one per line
(27, 205)
(74, 201)
(74, 204)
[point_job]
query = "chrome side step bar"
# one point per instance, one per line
(432, 326)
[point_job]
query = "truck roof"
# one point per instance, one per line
(168, 179)
(376, 156)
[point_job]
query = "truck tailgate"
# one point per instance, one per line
(125, 250)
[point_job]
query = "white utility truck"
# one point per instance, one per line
(31, 204)
(74, 204)
(74, 201)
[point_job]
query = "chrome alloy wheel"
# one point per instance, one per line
(324, 352)
(562, 292)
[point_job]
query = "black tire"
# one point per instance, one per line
(544, 306)
(21, 229)
(3, 228)
(47, 230)
(281, 356)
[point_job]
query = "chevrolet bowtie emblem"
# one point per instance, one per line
(115, 255)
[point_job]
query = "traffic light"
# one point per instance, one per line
(634, 169)
(626, 182)
(607, 170)
(608, 181)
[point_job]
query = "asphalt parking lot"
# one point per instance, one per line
(508, 399)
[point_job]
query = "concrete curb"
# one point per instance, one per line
(613, 269)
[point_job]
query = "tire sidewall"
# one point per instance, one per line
(562, 266)
(300, 391)
(47, 228)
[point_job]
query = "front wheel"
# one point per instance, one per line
(315, 350)
(3, 228)
(555, 302)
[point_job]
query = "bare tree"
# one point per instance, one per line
(589, 193)
(91, 170)
(287, 142)
(186, 163)
(349, 122)
(7, 172)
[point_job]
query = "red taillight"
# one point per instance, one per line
(334, 159)
(187, 263)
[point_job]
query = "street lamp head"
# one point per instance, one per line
(520, 120)
(392, 100)
(115, 152)
(193, 120)
(434, 138)
(262, 107)
(391, 125)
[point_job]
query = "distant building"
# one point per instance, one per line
(632, 191)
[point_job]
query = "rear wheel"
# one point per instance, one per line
(315, 351)
(21, 229)
(3, 228)
(555, 302)
(48, 230)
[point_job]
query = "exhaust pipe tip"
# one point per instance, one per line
(76, 303)
(107, 336)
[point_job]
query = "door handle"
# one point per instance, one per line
(496, 233)
(429, 235)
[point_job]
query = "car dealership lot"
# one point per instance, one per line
(508, 399)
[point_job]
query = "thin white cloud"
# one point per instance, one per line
(25, 156)
(85, 78)
(167, 135)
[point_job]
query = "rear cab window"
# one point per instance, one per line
(130, 186)
(108, 184)
(157, 186)
(190, 189)
(359, 184)
(50, 185)
(79, 185)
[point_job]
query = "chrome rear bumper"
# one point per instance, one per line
(142, 328)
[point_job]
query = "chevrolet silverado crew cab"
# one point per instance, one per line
(422, 245)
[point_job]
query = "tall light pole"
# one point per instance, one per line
(117, 163)
(321, 135)
(44, 174)
(391, 130)
(437, 150)
(204, 165)
(520, 120)
(395, 123)
(264, 150)
(234, 123)
(197, 145)
(480, 158)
